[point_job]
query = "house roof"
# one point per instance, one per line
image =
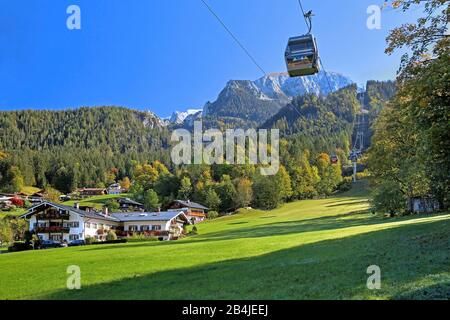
(191, 204)
(87, 214)
(92, 189)
(148, 216)
(129, 201)
(116, 217)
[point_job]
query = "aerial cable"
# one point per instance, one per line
(326, 75)
(239, 43)
(308, 21)
(307, 16)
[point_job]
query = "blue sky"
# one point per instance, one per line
(171, 55)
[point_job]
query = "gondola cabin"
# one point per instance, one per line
(334, 159)
(302, 56)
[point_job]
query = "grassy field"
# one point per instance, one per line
(96, 201)
(29, 190)
(16, 212)
(314, 249)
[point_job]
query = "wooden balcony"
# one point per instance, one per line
(52, 216)
(52, 229)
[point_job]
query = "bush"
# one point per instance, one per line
(111, 236)
(20, 246)
(112, 205)
(362, 175)
(387, 198)
(345, 185)
(194, 231)
(141, 238)
(90, 240)
(110, 242)
(17, 202)
(212, 215)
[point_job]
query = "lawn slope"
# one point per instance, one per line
(313, 249)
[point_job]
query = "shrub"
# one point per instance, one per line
(345, 185)
(111, 236)
(194, 231)
(387, 198)
(20, 246)
(110, 242)
(362, 175)
(141, 238)
(17, 202)
(90, 240)
(112, 205)
(212, 215)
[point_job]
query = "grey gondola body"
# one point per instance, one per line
(302, 56)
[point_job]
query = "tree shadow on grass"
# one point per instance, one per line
(347, 203)
(339, 221)
(335, 222)
(440, 291)
(331, 269)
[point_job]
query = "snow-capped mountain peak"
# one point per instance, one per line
(280, 85)
(178, 117)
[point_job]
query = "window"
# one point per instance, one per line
(132, 228)
(301, 46)
(93, 225)
(73, 224)
(87, 225)
(156, 228)
(56, 237)
(73, 237)
(145, 228)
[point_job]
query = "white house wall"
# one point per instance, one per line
(163, 224)
(91, 227)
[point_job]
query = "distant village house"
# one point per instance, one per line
(52, 221)
(424, 205)
(193, 210)
(116, 188)
(89, 192)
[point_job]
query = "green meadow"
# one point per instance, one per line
(312, 249)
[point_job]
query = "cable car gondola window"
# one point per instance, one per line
(301, 46)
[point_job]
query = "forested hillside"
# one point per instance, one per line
(82, 145)
(326, 123)
(91, 147)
